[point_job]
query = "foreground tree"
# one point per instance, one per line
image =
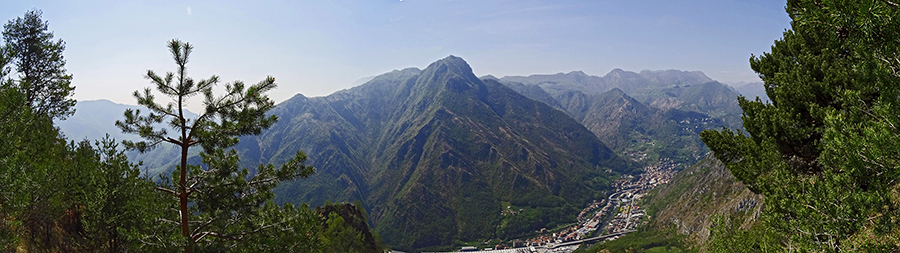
(40, 66)
(219, 204)
(824, 153)
(117, 206)
(34, 159)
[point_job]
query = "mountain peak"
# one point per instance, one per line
(489, 77)
(452, 71)
(452, 60)
(577, 73)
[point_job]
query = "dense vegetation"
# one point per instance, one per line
(83, 197)
(220, 205)
(346, 229)
(824, 152)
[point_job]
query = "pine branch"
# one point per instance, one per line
(167, 190)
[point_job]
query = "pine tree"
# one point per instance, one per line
(117, 206)
(219, 204)
(823, 152)
(57, 196)
(40, 65)
(33, 157)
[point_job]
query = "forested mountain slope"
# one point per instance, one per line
(433, 153)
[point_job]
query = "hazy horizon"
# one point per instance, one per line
(316, 48)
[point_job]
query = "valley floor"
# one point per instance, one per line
(620, 214)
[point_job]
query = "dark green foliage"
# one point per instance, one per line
(117, 206)
(220, 204)
(290, 229)
(29, 148)
(529, 220)
(823, 152)
(476, 212)
(728, 235)
(34, 161)
(29, 160)
(67, 197)
(345, 229)
(39, 63)
(58, 196)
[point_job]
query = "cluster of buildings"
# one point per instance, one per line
(566, 235)
(587, 210)
(628, 217)
(619, 213)
(629, 191)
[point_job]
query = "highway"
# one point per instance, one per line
(592, 239)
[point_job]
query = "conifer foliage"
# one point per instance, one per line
(219, 204)
(64, 196)
(40, 65)
(824, 153)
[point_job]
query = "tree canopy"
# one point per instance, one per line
(39, 64)
(824, 152)
(219, 203)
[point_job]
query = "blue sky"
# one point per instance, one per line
(318, 47)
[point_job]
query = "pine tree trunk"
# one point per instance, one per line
(183, 198)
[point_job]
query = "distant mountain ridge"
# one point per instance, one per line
(751, 90)
(93, 119)
(634, 84)
(645, 116)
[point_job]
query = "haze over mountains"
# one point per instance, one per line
(645, 116)
(751, 90)
(436, 154)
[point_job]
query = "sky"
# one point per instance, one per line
(318, 47)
